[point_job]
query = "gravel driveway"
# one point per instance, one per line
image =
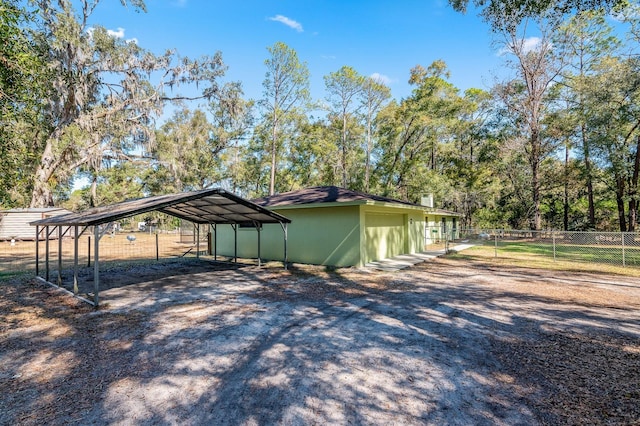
(445, 342)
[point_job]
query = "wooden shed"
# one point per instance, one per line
(15, 223)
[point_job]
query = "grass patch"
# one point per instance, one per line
(568, 258)
(584, 253)
(5, 275)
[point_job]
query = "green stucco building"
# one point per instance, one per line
(331, 226)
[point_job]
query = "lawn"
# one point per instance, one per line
(567, 257)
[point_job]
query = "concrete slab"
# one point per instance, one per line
(402, 261)
(461, 247)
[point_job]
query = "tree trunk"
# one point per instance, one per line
(535, 179)
(433, 156)
(620, 203)
(367, 164)
(565, 221)
(588, 171)
(94, 190)
(274, 149)
(633, 190)
(344, 149)
(42, 195)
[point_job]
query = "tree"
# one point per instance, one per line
(472, 155)
(343, 89)
(22, 89)
(188, 153)
(508, 14)
(286, 88)
(374, 94)
(233, 120)
(526, 98)
(102, 100)
(583, 41)
(614, 116)
(313, 155)
(411, 134)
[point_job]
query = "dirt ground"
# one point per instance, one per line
(445, 342)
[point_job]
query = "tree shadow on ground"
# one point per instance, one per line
(429, 346)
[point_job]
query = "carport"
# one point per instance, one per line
(206, 207)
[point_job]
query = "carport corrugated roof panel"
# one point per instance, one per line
(206, 206)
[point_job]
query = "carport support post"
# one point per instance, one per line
(235, 242)
(198, 241)
(259, 260)
(215, 241)
(37, 251)
(59, 256)
(96, 264)
(75, 260)
(286, 255)
(46, 254)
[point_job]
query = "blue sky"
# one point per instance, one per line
(379, 37)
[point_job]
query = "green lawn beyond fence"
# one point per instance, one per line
(615, 248)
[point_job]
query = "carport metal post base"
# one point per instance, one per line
(258, 229)
(96, 265)
(286, 255)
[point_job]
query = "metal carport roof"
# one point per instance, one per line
(208, 206)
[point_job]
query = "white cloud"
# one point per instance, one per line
(117, 34)
(288, 22)
(381, 78)
(531, 43)
(525, 45)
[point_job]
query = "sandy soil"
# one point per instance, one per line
(446, 342)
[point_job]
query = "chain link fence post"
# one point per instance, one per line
(495, 248)
(624, 263)
(553, 236)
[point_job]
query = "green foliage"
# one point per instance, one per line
(22, 89)
(286, 91)
(413, 133)
(187, 153)
(555, 145)
(507, 14)
(101, 98)
(343, 88)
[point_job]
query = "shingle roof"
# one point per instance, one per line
(206, 206)
(325, 194)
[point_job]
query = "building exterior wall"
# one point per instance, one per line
(339, 236)
(385, 236)
(437, 225)
(389, 231)
(319, 236)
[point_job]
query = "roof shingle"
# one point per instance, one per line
(324, 194)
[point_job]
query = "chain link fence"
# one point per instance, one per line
(116, 246)
(615, 248)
